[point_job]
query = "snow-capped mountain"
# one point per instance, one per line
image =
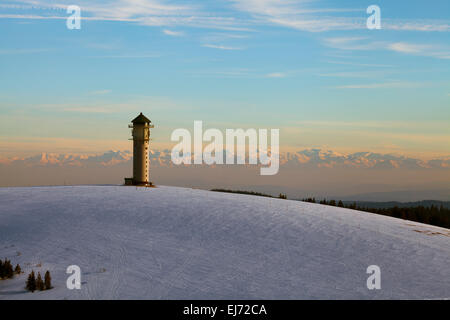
(303, 158)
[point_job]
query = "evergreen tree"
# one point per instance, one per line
(39, 283)
(2, 273)
(31, 282)
(8, 271)
(18, 270)
(48, 280)
(437, 215)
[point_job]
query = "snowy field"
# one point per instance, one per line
(177, 243)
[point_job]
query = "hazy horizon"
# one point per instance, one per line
(311, 172)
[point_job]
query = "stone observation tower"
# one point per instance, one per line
(141, 136)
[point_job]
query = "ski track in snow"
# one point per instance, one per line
(179, 243)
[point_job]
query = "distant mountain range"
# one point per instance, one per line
(362, 176)
(328, 158)
(304, 158)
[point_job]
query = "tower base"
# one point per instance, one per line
(131, 182)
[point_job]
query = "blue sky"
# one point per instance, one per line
(310, 68)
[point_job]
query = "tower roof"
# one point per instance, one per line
(141, 119)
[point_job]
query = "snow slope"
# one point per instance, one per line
(177, 243)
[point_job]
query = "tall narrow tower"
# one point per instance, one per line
(141, 136)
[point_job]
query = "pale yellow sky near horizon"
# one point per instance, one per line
(23, 135)
(93, 135)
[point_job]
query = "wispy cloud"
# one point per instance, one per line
(89, 110)
(393, 84)
(243, 73)
(420, 49)
(389, 124)
(303, 15)
(21, 51)
(129, 56)
(360, 64)
(424, 26)
(352, 43)
(299, 15)
(276, 75)
(221, 36)
(355, 74)
(119, 9)
(173, 33)
(221, 47)
(229, 73)
(363, 43)
(408, 47)
(144, 12)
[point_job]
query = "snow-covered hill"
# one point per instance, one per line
(176, 243)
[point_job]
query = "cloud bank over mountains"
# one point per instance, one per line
(316, 158)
